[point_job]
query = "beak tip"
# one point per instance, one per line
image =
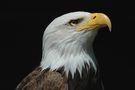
(110, 29)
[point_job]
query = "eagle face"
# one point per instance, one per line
(68, 39)
(66, 26)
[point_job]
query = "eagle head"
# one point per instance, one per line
(68, 39)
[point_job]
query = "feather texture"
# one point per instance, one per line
(68, 61)
(64, 47)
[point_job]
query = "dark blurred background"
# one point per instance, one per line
(23, 23)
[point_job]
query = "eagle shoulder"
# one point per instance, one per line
(55, 81)
(28, 78)
(43, 80)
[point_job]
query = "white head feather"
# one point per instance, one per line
(65, 47)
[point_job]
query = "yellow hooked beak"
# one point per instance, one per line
(96, 21)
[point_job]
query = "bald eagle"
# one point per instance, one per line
(68, 61)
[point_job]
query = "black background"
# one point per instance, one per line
(23, 23)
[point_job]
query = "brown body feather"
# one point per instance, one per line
(43, 80)
(56, 80)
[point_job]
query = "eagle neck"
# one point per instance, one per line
(70, 54)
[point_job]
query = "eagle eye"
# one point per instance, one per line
(74, 22)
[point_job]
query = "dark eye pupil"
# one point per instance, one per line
(77, 21)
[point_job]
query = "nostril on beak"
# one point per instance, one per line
(94, 17)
